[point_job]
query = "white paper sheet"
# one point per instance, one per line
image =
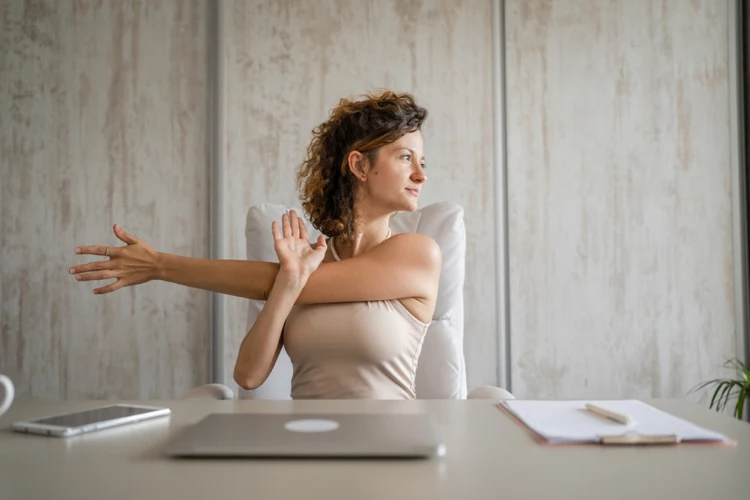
(570, 422)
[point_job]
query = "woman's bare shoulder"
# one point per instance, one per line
(413, 245)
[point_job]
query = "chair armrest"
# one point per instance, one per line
(489, 392)
(210, 391)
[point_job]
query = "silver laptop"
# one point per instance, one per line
(310, 435)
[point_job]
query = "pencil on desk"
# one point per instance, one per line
(612, 415)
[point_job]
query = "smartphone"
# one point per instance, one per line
(80, 422)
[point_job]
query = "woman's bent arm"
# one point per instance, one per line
(260, 348)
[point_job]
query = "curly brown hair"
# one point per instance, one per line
(325, 184)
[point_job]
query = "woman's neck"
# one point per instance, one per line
(367, 236)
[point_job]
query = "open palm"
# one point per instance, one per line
(292, 245)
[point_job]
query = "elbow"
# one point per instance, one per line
(247, 383)
(247, 380)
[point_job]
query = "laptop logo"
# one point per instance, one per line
(311, 425)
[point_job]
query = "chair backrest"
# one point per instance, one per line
(441, 372)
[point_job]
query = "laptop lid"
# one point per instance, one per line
(310, 435)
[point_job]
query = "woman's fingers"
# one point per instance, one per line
(294, 224)
(98, 250)
(128, 265)
(108, 251)
(96, 276)
(123, 236)
(321, 245)
(303, 230)
(275, 230)
(111, 287)
(92, 266)
(285, 226)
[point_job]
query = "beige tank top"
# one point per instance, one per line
(353, 350)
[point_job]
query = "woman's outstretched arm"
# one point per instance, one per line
(241, 278)
(404, 266)
(137, 262)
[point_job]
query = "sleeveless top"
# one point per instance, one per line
(353, 350)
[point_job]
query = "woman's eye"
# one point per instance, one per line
(424, 166)
(406, 157)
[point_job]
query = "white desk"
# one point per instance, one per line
(489, 456)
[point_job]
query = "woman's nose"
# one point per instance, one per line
(419, 175)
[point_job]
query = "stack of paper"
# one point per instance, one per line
(570, 422)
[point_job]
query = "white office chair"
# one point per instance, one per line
(441, 372)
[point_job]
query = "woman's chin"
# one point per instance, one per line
(409, 205)
(404, 206)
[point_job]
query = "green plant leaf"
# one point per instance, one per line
(706, 384)
(740, 404)
(727, 389)
(731, 363)
(745, 373)
(722, 396)
(717, 391)
(738, 365)
(727, 394)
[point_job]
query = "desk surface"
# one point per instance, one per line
(489, 456)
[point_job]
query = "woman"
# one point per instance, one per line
(352, 310)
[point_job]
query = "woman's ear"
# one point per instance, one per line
(357, 163)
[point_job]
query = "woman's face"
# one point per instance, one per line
(395, 179)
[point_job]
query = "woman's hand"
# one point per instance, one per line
(298, 259)
(132, 264)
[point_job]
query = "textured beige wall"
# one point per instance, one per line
(620, 236)
(288, 63)
(102, 119)
(620, 202)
